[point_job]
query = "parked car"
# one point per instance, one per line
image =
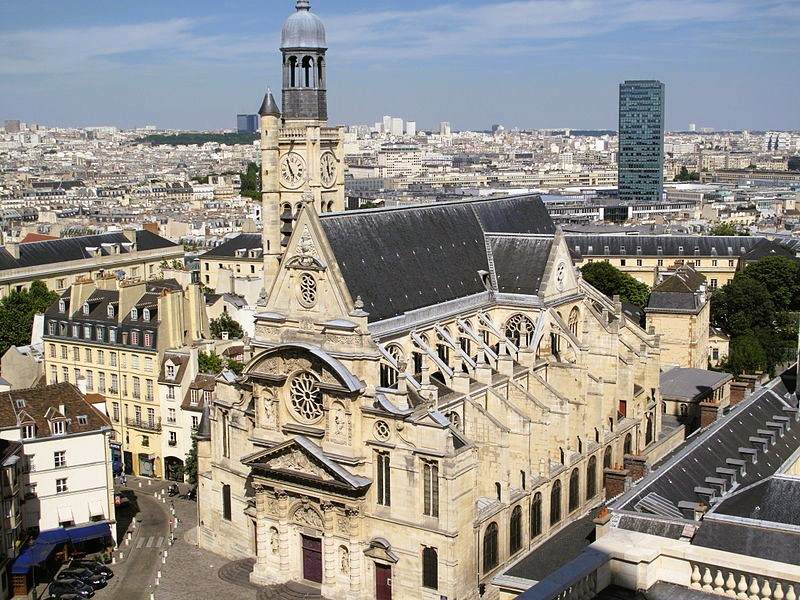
(93, 565)
(85, 575)
(66, 589)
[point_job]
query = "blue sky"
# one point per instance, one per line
(530, 63)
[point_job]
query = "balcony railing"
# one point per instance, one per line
(144, 425)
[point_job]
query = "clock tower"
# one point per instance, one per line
(302, 158)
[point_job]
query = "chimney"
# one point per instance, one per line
(130, 234)
(13, 249)
(130, 290)
(80, 292)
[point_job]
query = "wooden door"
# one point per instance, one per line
(312, 559)
(383, 582)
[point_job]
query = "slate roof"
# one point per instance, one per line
(750, 540)
(519, 262)
(775, 500)
(681, 291)
(203, 382)
(244, 241)
(764, 248)
(669, 245)
(67, 249)
(557, 551)
(687, 384)
(402, 259)
(37, 404)
(677, 477)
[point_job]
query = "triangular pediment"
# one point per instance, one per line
(309, 261)
(301, 459)
(560, 278)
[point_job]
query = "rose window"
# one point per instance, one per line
(308, 290)
(306, 398)
(381, 430)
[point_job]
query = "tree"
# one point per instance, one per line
(251, 181)
(190, 464)
(746, 356)
(686, 175)
(17, 311)
(210, 362)
(226, 323)
(236, 366)
(726, 229)
(611, 281)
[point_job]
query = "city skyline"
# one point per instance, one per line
(528, 64)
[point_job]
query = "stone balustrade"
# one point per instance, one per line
(737, 584)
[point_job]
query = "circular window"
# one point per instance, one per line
(305, 397)
(308, 290)
(382, 430)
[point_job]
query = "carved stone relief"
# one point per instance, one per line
(298, 462)
(306, 515)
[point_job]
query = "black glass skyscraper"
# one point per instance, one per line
(641, 141)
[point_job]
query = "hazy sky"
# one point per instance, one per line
(529, 63)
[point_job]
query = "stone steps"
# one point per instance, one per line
(290, 591)
(238, 572)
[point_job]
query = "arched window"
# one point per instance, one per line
(574, 317)
(562, 456)
(515, 530)
(389, 374)
(308, 70)
(628, 444)
(292, 71)
(490, 558)
(648, 438)
(555, 503)
(443, 349)
(591, 478)
(522, 480)
(455, 419)
(430, 568)
(520, 329)
(498, 490)
(607, 458)
(574, 491)
(536, 515)
(580, 445)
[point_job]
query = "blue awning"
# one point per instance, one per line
(32, 556)
(85, 533)
(49, 540)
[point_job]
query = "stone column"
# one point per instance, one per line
(284, 530)
(329, 553)
(351, 521)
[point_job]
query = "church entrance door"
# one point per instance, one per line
(383, 582)
(312, 559)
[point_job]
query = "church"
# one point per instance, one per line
(433, 393)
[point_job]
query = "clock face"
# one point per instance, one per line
(328, 169)
(293, 170)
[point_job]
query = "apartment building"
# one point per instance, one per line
(59, 263)
(67, 476)
(646, 257)
(110, 336)
(11, 491)
(240, 257)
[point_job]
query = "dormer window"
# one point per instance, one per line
(148, 339)
(51, 327)
(207, 396)
(134, 313)
(62, 306)
(135, 338)
(146, 314)
(76, 331)
(58, 427)
(194, 397)
(28, 431)
(20, 402)
(169, 369)
(86, 308)
(110, 311)
(112, 335)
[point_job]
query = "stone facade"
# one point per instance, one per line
(433, 450)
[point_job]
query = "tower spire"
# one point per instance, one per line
(269, 106)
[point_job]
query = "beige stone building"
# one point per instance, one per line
(240, 258)
(648, 257)
(59, 263)
(108, 337)
(679, 311)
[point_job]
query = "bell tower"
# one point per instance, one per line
(302, 158)
(303, 47)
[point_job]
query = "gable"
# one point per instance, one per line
(308, 281)
(560, 278)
